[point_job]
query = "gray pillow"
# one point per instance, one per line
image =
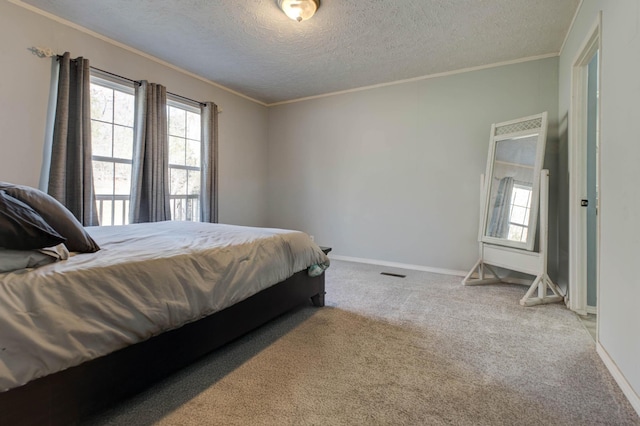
(56, 215)
(21, 228)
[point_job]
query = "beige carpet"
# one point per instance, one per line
(420, 350)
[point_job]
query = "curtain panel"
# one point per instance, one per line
(71, 169)
(499, 225)
(150, 170)
(209, 156)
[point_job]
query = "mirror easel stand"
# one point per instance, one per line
(528, 262)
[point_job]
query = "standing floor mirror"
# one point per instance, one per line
(514, 194)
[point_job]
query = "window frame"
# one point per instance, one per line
(191, 214)
(124, 86)
(190, 210)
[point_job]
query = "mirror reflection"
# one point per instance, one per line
(511, 188)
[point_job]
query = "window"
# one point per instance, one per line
(184, 160)
(520, 208)
(112, 116)
(112, 120)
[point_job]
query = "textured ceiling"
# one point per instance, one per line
(250, 46)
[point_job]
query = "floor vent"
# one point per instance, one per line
(391, 274)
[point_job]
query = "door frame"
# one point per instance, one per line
(578, 171)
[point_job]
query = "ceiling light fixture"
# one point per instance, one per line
(299, 10)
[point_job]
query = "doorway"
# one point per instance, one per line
(584, 141)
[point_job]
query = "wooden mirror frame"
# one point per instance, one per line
(515, 129)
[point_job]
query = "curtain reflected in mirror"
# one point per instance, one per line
(511, 188)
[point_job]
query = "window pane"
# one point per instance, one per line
(177, 119)
(515, 233)
(518, 215)
(194, 182)
(123, 142)
(521, 197)
(178, 209)
(103, 177)
(120, 212)
(101, 103)
(174, 207)
(101, 140)
(193, 125)
(178, 181)
(193, 153)
(176, 151)
(193, 212)
(124, 109)
(105, 209)
(127, 203)
(122, 179)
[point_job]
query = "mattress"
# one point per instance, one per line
(145, 280)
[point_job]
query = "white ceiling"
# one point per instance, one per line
(251, 47)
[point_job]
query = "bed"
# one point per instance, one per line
(79, 334)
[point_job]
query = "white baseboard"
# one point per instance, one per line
(592, 310)
(398, 265)
(508, 280)
(626, 388)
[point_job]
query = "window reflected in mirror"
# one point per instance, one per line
(519, 217)
(511, 188)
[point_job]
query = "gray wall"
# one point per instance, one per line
(619, 285)
(24, 92)
(392, 173)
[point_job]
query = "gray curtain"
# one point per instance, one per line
(71, 170)
(150, 171)
(209, 175)
(499, 225)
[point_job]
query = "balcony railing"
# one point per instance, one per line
(185, 207)
(114, 209)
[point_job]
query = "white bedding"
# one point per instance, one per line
(146, 279)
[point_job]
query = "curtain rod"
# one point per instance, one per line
(42, 53)
(138, 83)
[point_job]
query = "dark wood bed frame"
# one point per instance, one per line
(71, 395)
